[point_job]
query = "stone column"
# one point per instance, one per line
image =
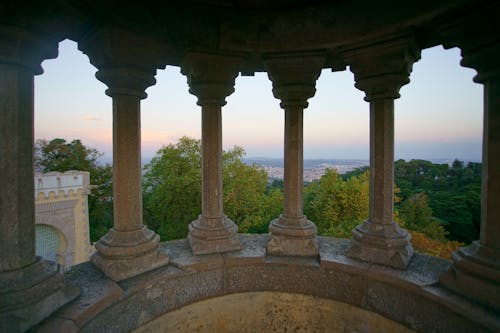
(294, 79)
(211, 80)
(129, 248)
(475, 272)
(30, 288)
(380, 71)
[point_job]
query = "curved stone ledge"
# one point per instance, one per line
(270, 311)
(410, 297)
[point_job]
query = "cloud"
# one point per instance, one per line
(158, 138)
(152, 140)
(90, 117)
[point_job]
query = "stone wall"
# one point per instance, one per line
(255, 312)
(202, 293)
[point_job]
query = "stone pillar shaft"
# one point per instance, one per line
(292, 234)
(30, 288)
(213, 231)
(381, 161)
(129, 248)
(475, 269)
(127, 191)
(17, 205)
(294, 164)
(490, 196)
(379, 239)
(294, 80)
(211, 79)
(380, 70)
(211, 143)
(475, 272)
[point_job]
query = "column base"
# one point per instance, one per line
(385, 244)
(292, 237)
(475, 273)
(213, 235)
(31, 294)
(124, 254)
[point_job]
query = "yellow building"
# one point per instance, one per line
(62, 219)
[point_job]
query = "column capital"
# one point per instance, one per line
(210, 76)
(26, 49)
(472, 32)
(381, 69)
(294, 77)
(126, 61)
(123, 80)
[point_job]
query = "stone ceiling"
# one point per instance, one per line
(248, 28)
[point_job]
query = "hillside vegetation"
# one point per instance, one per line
(438, 203)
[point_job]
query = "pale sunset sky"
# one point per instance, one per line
(439, 114)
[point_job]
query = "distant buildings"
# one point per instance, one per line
(313, 169)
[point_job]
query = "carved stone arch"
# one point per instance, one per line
(60, 215)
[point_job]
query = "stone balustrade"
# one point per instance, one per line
(406, 300)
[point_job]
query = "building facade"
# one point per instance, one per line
(62, 219)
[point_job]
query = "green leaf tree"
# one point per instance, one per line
(415, 214)
(247, 200)
(60, 155)
(172, 191)
(172, 188)
(335, 205)
(453, 194)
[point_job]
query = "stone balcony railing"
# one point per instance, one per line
(247, 291)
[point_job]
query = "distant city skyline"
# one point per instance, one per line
(439, 114)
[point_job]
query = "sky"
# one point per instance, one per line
(439, 114)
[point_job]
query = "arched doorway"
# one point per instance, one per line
(50, 243)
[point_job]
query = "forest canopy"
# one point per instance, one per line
(438, 203)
